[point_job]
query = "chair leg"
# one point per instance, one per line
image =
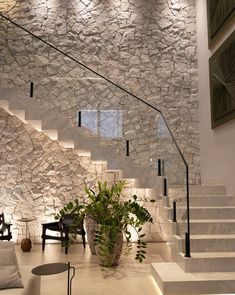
(84, 241)
(43, 238)
(66, 250)
(66, 241)
(43, 243)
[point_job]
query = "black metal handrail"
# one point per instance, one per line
(187, 235)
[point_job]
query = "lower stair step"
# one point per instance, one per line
(204, 226)
(211, 200)
(208, 262)
(209, 243)
(172, 280)
(206, 212)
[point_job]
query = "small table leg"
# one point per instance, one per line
(69, 288)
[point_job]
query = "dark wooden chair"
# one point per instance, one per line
(64, 227)
(5, 229)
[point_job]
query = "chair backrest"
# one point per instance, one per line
(2, 220)
(70, 219)
(67, 219)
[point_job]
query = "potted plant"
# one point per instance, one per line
(114, 216)
(110, 217)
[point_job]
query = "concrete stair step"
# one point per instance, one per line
(142, 193)
(172, 280)
(68, 144)
(208, 262)
(50, 120)
(207, 190)
(53, 134)
(59, 128)
(8, 92)
(211, 200)
(27, 104)
(204, 226)
(4, 104)
(204, 212)
(208, 243)
(36, 111)
(37, 124)
(196, 190)
(67, 131)
(19, 113)
(88, 144)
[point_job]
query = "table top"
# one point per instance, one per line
(26, 219)
(50, 269)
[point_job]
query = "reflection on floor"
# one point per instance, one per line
(129, 278)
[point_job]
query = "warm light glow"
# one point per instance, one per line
(134, 236)
(159, 292)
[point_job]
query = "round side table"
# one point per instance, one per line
(55, 268)
(26, 243)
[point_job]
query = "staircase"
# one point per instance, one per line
(79, 138)
(211, 268)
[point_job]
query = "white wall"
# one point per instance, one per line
(218, 145)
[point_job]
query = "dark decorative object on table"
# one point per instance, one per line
(219, 12)
(222, 81)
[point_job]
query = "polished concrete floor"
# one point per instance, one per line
(128, 278)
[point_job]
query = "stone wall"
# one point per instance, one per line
(38, 176)
(148, 47)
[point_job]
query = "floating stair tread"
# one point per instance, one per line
(171, 272)
(208, 255)
(207, 220)
(206, 207)
(206, 196)
(172, 280)
(209, 195)
(212, 237)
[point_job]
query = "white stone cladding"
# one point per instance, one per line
(148, 47)
(38, 176)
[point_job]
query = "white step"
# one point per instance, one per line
(204, 226)
(58, 127)
(204, 212)
(66, 131)
(68, 144)
(19, 114)
(207, 190)
(53, 134)
(37, 124)
(10, 92)
(208, 262)
(211, 200)
(176, 191)
(4, 104)
(208, 243)
(142, 193)
(172, 280)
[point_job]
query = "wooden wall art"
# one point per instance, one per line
(219, 12)
(222, 82)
